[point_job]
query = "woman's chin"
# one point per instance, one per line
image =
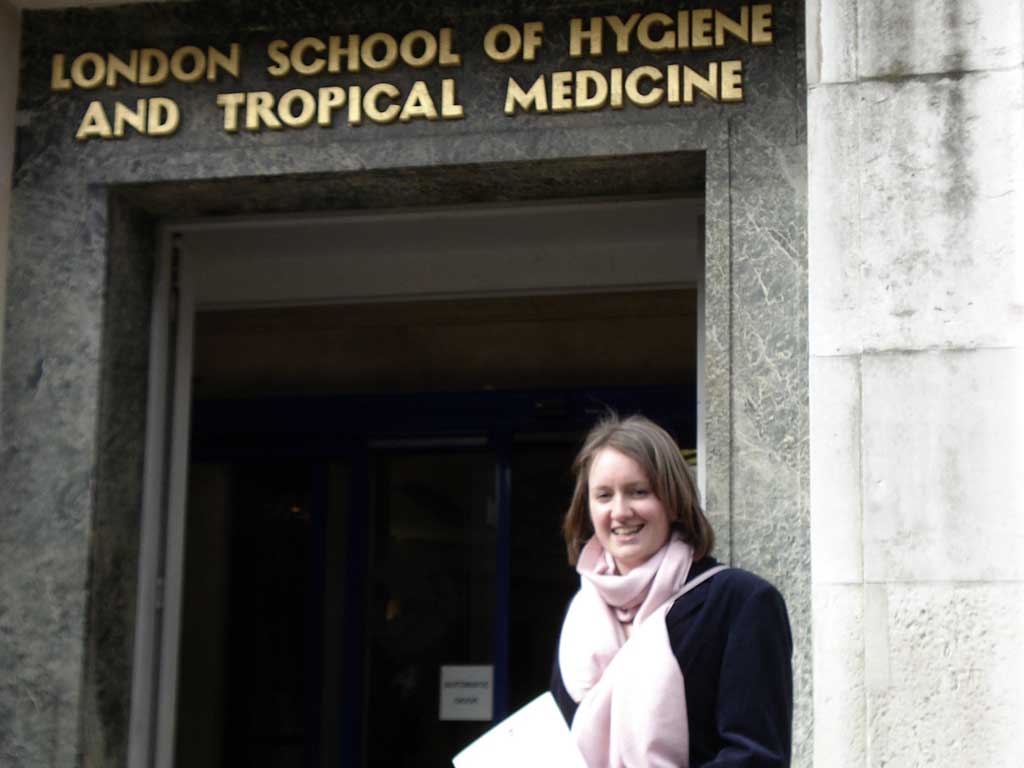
(625, 561)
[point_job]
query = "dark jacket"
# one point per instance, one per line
(731, 638)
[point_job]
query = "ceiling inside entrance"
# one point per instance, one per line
(626, 339)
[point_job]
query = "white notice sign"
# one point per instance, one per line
(467, 692)
(536, 736)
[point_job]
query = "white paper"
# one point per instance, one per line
(536, 736)
(467, 692)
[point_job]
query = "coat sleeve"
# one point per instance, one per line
(754, 707)
(561, 696)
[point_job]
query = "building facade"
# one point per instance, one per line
(307, 305)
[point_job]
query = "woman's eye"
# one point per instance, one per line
(639, 491)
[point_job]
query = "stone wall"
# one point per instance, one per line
(916, 183)
(10, 37)
(83, 218)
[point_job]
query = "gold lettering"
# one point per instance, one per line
(408, 52)
(307, 106)
(738, 29)
(615, 94)
(654, 96)
(299, 64)
(230, 63)
(761, 32)
(58, 82)
(513, 44)
(355, 105)
(701, 28)
(418, 104)
(259, 109)
(667, 40)
(622, 30)
(732, 80)
(94, 124)
(92, 81)
(533, 32)
(276, 51)
(198, 59)
(561, 92)
(707, 86)
(153, 67)
(683, 30)
(593, 35)
(335, 51)
(587, 100)
(230, 103)
(390, 113)
(447, 56)
(450, 107)
(536, 98)
(129, 70)
(672, 85)
(163, 117)
(135, 118)
(381, 63)
(329, 99)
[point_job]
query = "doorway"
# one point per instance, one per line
(375, 482)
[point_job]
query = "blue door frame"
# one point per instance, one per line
(352, 428)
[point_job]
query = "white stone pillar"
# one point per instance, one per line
(10, 38)
(916, 252)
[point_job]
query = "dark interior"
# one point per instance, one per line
(376, 491)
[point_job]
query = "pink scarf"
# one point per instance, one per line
(632, 703)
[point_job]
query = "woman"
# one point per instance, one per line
(705, 679)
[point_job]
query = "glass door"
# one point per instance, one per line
(432, 582)
(263, 613)
(362, 588)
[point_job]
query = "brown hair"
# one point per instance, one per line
(656, 452)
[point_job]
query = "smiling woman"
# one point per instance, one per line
(629, 520)
(654, 609)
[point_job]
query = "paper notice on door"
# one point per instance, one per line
(467, 692)
(535, 736)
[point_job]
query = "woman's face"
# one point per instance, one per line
(629, 520)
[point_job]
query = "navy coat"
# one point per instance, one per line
(732, 640)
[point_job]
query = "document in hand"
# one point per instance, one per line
(535, 736)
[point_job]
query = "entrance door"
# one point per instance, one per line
(377, 468)
(433, 588)
(301, 648)
(253, 671)
(342, 557)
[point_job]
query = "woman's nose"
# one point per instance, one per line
(619, 506)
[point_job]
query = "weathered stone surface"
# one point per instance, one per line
(836, 523)
(922, 37)
(839, 694)
(915, 245)
(10, 30)
(833, 228)
(940, 237)
(769, 369)
(956, 677)
(716, 343)
(831, 42)
(942, 440)
(921, 246)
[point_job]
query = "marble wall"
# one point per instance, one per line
(916, 177)
(83, 221)
(10, 36)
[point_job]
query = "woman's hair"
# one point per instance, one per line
(656, 452)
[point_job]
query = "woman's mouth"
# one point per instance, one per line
(627, 530)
